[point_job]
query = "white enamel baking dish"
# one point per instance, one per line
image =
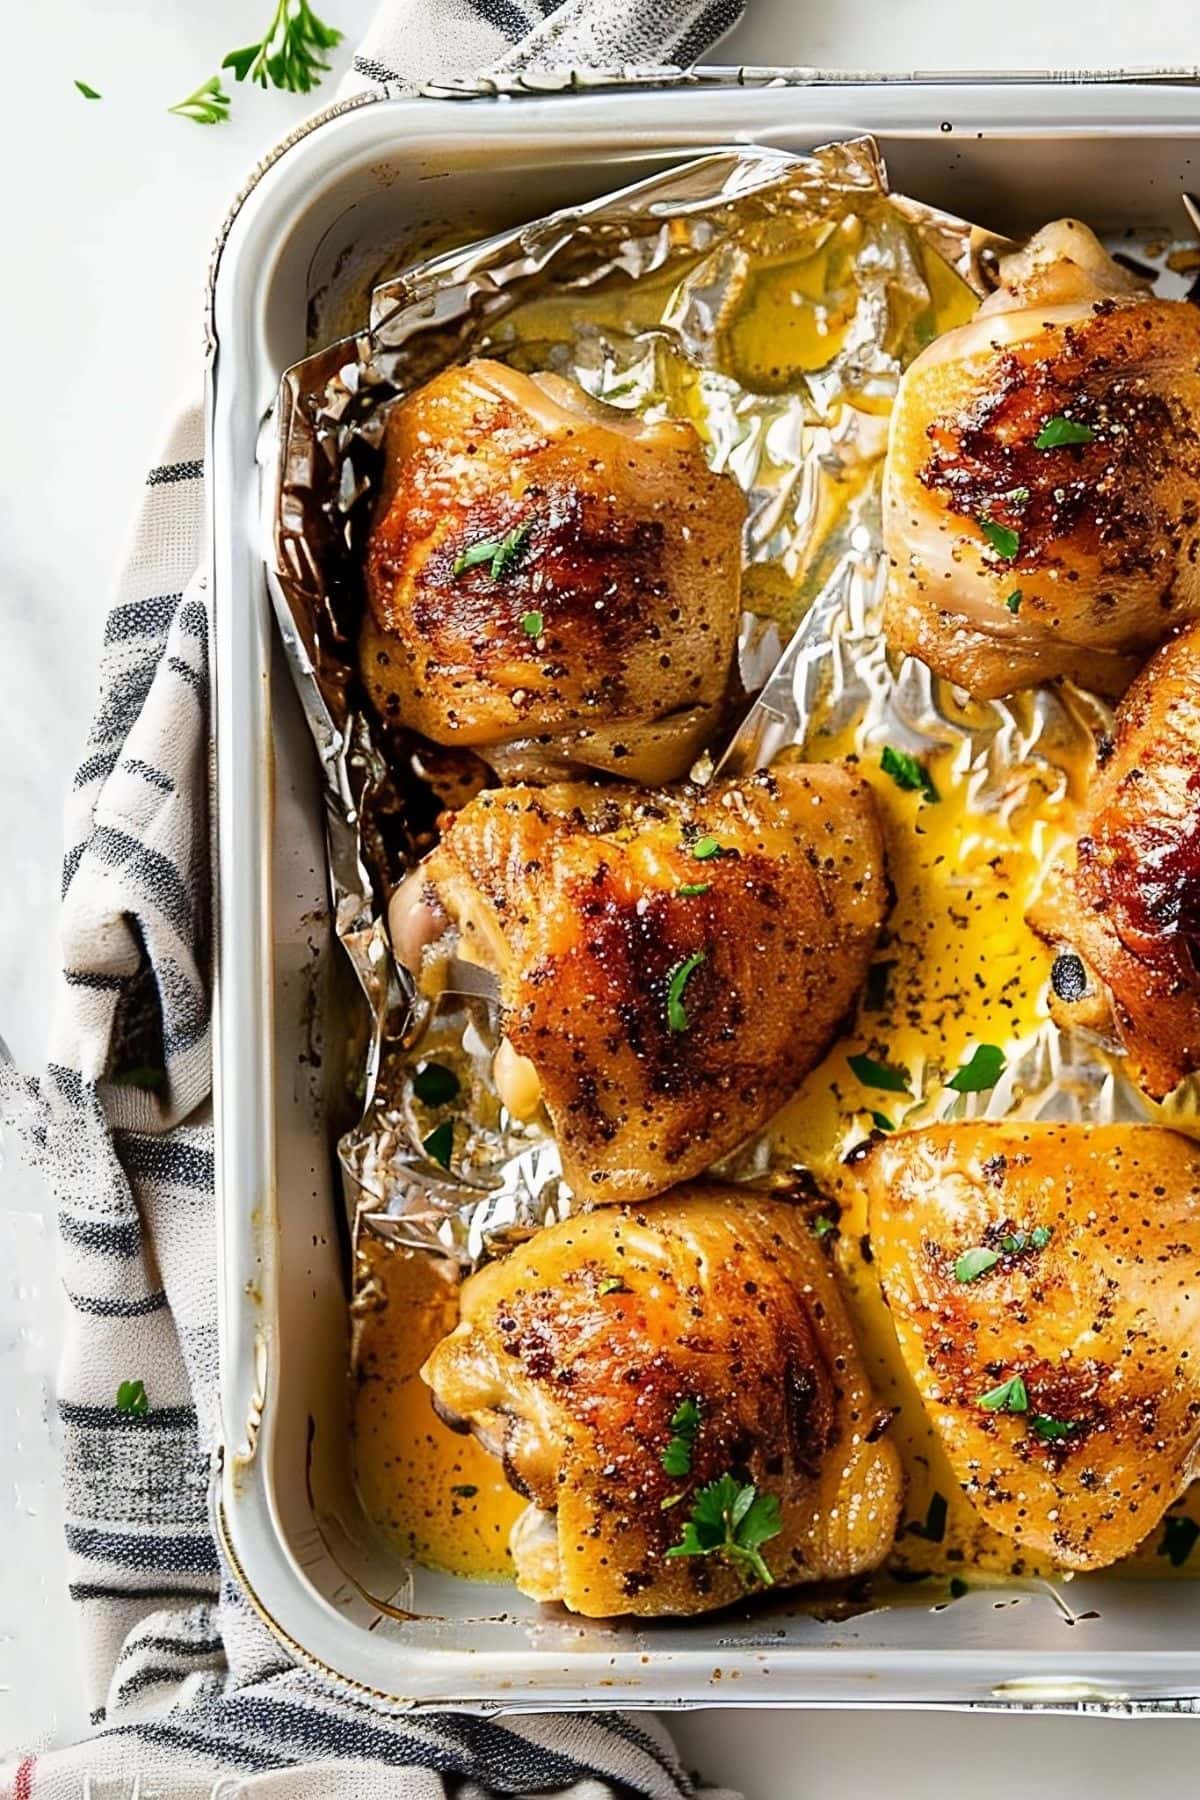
(311, 228)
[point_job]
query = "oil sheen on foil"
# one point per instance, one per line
(772, 301)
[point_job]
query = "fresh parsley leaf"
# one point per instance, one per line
(440, 1143)
(822, 1226)
(89, 93)
(1051, 1431)
(131, 1398)
(153, 1080)
(435, 1085)
(209, 105)
(483, 552)
(1003, 540)
(1010, 1396)
(908, 772)
(1058, 431)
(733, 1520)
(878, 976)
(934, 1528)
(704, 847)
(691, 888)
(1178, 1539)
(879, 1075)
(677, 980)
(1013, 602)
(1040, 1236)
(982, 1071)
(612, 1284)
(289, 55)
(532, 624)
(1013, 1242)
(974, 1263)
(881, 1122)
(685, 1424)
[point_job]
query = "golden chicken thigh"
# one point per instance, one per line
(1123, 903)
(671, 962)
(1044, 1283)
(542, 565)
(659, 1378)
(1042, 487)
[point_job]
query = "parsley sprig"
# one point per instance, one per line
(731, 1519)
(291, 52)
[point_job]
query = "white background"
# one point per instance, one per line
(109, 208)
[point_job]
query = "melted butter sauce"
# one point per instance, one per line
(435, 1494)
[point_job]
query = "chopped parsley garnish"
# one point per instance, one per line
(691, 888)
(685, 1423)
(733, 1520)
(705, 847)
(934, 1528)
(435, 1085)
(1015, 1242)
(974, 1263)
(440, 1143)
(908, 772)
(1040, 1236)
(879, 1075)
(822, 1225)
(1010, 1396)
(501, 554)
(1178, 1539)
(89, 93)
(290, 54)
(1002, 539)
(131, 1398)
(982, 1071)
(677, 980)
(1051, 1431)
(612, 1284)
(532, 624)
(465, 1490)
(1013, 602)
(1018, 496)
(881, 1122)
(1059, 431)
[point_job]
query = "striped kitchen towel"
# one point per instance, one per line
(189, 1692)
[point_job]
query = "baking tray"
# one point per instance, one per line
(379, 176)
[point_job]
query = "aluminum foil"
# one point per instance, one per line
(660, 300)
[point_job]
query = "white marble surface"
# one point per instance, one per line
(110, 207)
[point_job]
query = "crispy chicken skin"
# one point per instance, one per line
(575, 1352)
(1094, 554)
(1125, 899)
(1101, 1321)
(665, 1025)
(610, 618)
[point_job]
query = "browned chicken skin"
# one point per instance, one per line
(576, 1353)
(1098, 1322)
(543, 565)
(671, 963)
(1125, 901)
(1015, 560)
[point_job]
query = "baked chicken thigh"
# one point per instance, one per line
(677, 1391)
(1042, 487)
(542, 565)
(1123, 904)
(671, 963)
(1044, 1283)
